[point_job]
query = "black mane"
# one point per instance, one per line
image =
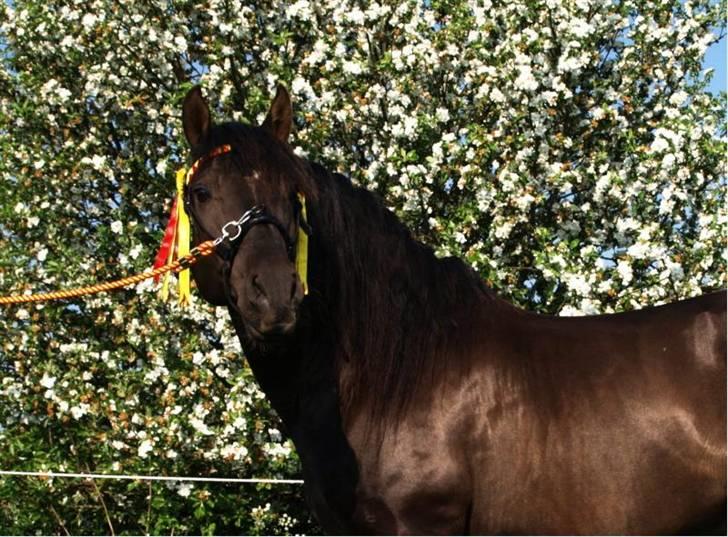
(398, 308)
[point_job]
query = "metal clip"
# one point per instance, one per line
(227, 234)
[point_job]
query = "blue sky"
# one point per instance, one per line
(716, 57)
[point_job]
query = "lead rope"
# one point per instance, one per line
(200, 251)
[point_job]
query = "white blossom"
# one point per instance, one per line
(200, 426)
(145, 448)
(625, 271)
(184, 490)
(79, 410)
(89, 20)
(497, 96)
(47, 381)
(442, 114)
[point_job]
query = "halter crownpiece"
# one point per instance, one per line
(176, 241)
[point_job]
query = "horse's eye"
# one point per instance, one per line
(201, 194)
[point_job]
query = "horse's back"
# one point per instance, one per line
(690, 336)
(685, 342)
(609, 424)
(707, 329)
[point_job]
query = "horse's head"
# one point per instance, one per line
(252, 171)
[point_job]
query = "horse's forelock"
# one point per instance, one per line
(255, 149)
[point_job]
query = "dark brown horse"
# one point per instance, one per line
(417, 400)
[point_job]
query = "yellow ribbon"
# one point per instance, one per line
(183, 238)
(302, 248)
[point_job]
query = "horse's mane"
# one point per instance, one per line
(401, 315)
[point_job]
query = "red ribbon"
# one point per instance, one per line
(167, 241)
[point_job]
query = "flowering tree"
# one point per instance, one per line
(566, 149)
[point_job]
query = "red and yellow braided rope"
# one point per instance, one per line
(202, 250)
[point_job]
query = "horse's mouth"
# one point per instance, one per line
(253, 332)
(277, 333)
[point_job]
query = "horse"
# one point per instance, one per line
(418, 401)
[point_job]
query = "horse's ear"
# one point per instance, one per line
(195, 116)
(279, 120)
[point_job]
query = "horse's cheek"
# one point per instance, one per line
(207, 273)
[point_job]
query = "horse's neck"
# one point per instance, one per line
(299, 381)
(292, 375)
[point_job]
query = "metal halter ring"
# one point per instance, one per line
(227, 234)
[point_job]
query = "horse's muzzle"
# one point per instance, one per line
(270, 306)
(282, 326)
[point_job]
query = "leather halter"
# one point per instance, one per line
(228, 248)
